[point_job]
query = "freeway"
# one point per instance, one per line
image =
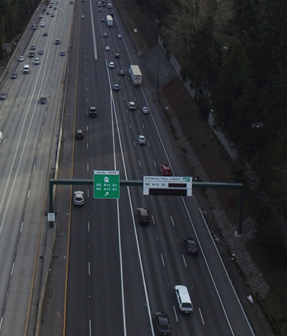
(120, 273)
(29, 137)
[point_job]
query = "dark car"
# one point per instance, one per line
(122, 72)
(116, 87)
(117, 55)
(14, 75)
(31, 54)
(79, 134)
(190, 246)
(3, 96)
(43, 100)
(143, 216)
(161, 324)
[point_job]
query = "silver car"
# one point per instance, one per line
(79, 198)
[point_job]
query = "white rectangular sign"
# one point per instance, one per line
(167, 182)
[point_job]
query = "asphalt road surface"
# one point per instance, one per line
(118, 272)
(28, 134)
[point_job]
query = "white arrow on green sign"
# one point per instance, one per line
(107, 184)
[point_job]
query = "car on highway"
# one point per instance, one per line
(3, 96)
(111, 65)
(47, 13)
(21, 58)
(119, 36)
(45, 34)
(79, 134)
(99, 9)
(52, 15)
(131, 105)
(142, 216)
(93, 112)
(33, 47)
(43, 100)
(105, 35)
(83, 16)
(183, 299)
(41, 52)
(102, 20)
(79, 198)
(14, 75)
(112, 14)
(36, 61)
(108, 48)
(145, 110)
(117, 55)
(57, 42)
(31, 54)
(55, 8)
(116, 87)
(190, 246)
(141, 140)
(42, 24)
(161, 324)
(122, 72)
(165, 170)
(41, 16)
(62, 53)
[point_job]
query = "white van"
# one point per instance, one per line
(183, 299)
(26, 69)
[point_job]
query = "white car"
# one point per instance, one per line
(111, 65)
(36, 61)
(105, 35)
(79, 198)
(132, 105)
(119, 36)
(41, 16)
(108, 48)
(83, 16)
(42, 24)
(21, 58)
(141, 140)
(145, 110)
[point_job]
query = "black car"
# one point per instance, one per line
(3, 96)
(190, 246)
(117, 55)
(79, 134)
(14, 75)
(122, 72)
(31, 54)
(161, 324)
(143, 216)
(43, 100)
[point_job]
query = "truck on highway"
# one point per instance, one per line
(136, 75)
(110, 21)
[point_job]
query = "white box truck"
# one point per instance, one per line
(136, 75)
(110, 21)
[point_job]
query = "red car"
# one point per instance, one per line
(165, 170)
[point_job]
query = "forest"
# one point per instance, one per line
(234, 53)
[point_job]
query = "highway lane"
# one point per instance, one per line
(25, 154)
(113, 233)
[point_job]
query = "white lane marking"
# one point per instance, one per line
(184, 260)
(88, 192)
(90, 328)
(171, 218)
(93, 30)
(89, 268)
(89, 227)
(162, 259)
(175, 313)
(12, 270)
(21, 227)
(88, 167)
(202, 319)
